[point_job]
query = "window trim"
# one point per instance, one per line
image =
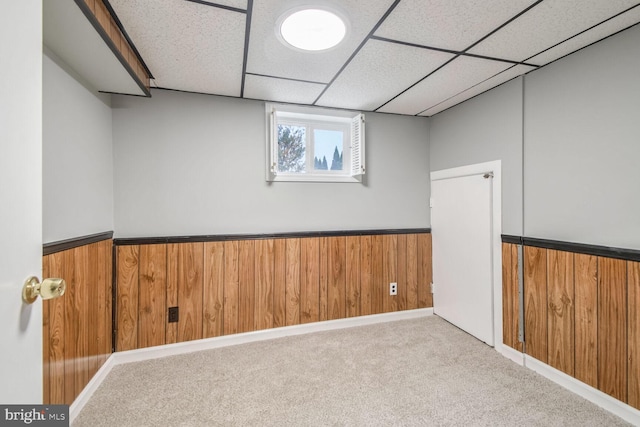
(353, 124)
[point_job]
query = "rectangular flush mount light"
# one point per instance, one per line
(311, 29)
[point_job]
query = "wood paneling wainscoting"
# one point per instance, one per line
(510, 300)
(77, 327)
(228, 284)
(581, 311)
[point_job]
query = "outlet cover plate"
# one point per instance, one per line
(174, 314)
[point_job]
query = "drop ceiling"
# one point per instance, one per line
(412, 57)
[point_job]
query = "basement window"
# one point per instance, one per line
(314, 145)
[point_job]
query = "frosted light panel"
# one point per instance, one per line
(313, 29)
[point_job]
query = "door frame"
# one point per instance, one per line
(494, 167)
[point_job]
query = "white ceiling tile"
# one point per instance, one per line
(545, 25)
(239, 4)
(601, 31)
(280, 90)
(490, 83)
(366, 84)
(187, 46)
(196, 47)
(460, 74)
(269, 56)
(447, 24)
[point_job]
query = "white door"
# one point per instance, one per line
(20, 199)
(461, 224)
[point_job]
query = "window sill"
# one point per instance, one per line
(314, 178)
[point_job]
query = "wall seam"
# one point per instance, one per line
(521, 272)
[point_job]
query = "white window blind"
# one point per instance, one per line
(357, 147)
(272, 148)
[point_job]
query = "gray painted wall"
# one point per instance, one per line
(582, 146)
(190, 164)
(77, 156)
(485, 128)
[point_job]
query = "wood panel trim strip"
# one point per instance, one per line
(114, 297)
(633, 334)
(104, 34)
(516, 240)
(127, 38)
(579, 248)
(293, 235)
(63, 245)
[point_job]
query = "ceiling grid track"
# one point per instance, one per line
(286, 78)
(245, 56)
(503, 25)
(454, 52)
(530, 57)
(360, 46)
(126, 36)
(219, 6)
(407, 57)
(477, 84)
(419, 81)
(458, 54)
(584, 31)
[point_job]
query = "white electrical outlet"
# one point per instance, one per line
(393, 288)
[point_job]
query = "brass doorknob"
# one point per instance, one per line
(48, 289)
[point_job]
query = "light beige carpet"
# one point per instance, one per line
(422, 372)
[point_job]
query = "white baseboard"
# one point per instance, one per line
(90, 388)
(622, 410)
(511, 354)
(142, 354)
(266, 334)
